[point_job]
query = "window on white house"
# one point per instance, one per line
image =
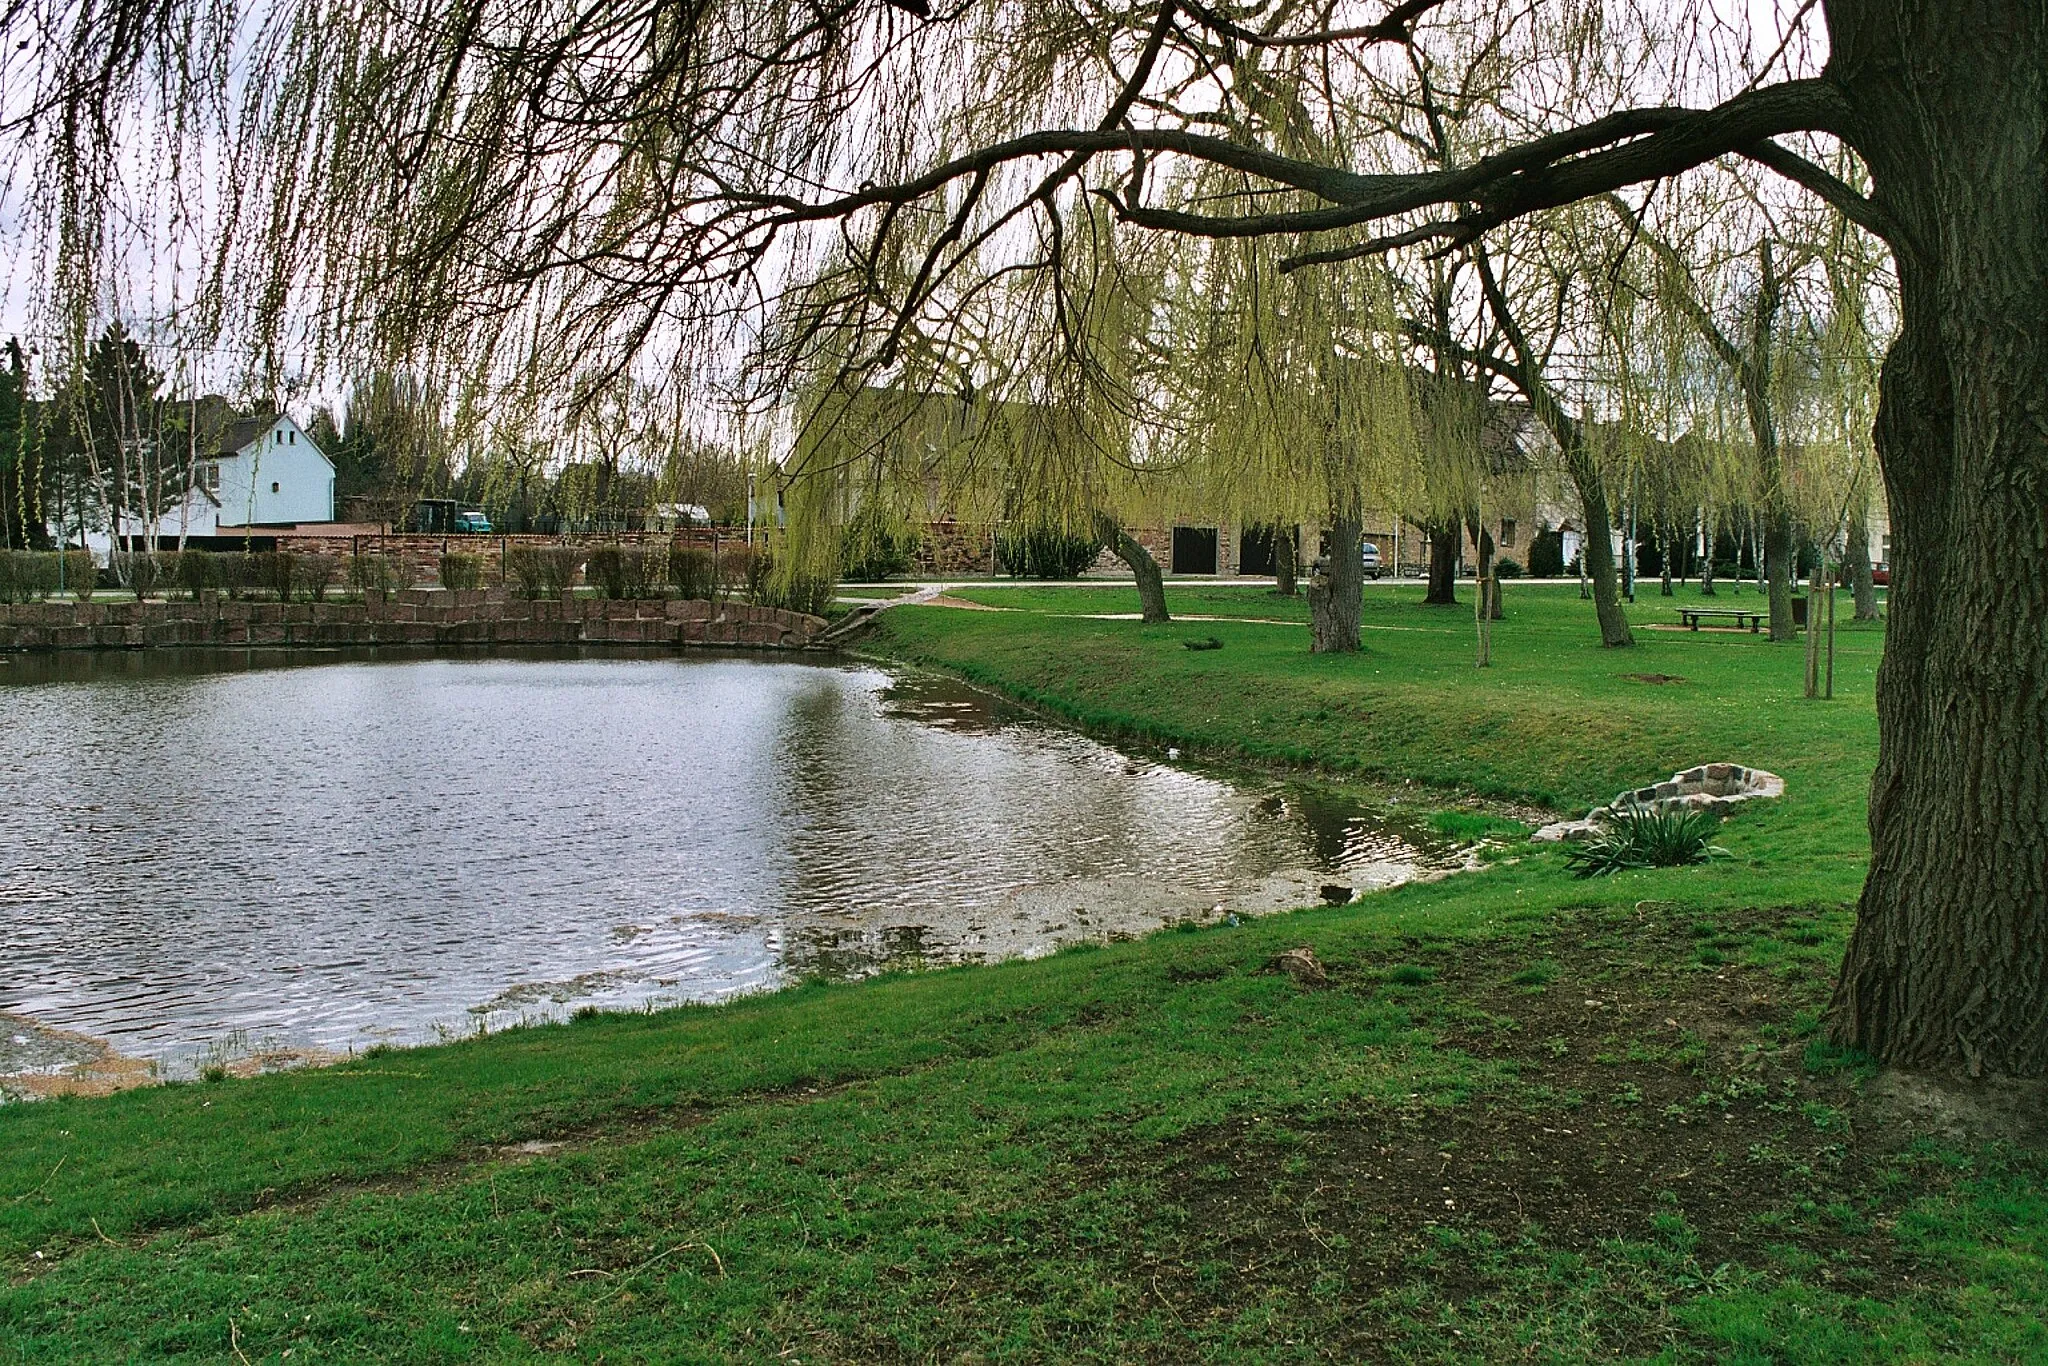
(291, 438)
(209, 477)
(273, 486)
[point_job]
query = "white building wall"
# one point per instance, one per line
(280, 477)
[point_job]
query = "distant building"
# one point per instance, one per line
(264, 472)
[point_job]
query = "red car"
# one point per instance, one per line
(1881, 574)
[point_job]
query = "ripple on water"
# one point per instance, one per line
(322, 856)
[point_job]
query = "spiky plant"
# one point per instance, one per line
(1647, 837)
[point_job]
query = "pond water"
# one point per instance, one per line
(211, 853)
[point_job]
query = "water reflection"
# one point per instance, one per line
(323, 853)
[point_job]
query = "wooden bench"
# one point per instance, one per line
(1692, 616)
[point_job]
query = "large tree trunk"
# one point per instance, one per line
(1856, 566)
(1780, 568)
(1948, 965)
(1707, 560)
(1151, 588)
(1336, 591)
(1284, 560)
(1442, 589)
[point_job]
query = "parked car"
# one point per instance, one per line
(1370, 554)
(472, 522)
(1881, 573)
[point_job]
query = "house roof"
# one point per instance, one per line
(245, 431)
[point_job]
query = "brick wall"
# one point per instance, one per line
(415, 616)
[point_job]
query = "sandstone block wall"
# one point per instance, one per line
(415, 616)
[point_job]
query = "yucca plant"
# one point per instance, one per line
(1647, 837)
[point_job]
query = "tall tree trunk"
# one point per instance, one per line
(1442, 590)
(1668, 550)
(1779, 571)
(1151, 587)
(1284, 560)
(1856, 566)
(1948, 964)
(1336, 591)
(1707, 560)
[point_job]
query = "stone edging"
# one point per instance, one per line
(1707, 787)
(413, 616)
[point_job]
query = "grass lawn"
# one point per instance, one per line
(1527, 1118)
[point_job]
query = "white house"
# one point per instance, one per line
(264, 471)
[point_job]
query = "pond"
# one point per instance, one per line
(213, 854)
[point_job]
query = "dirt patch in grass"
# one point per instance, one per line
(1660, 1098)
(1659, 680)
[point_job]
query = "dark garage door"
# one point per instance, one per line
(1255, 551)
(1194, 550)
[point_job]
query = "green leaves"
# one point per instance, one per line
(1647, 837)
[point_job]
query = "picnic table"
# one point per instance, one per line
(1693, 615)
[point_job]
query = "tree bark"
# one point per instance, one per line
(1779, 570)
(1284, 560)
(1488, 586)
(1707, 560)
(1442, 590)
(1856, 567)
(1151, 587)
(1336, 591)
(1948, 964)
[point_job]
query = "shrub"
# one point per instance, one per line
(738, 567)
(26, 574)
(522, 566)
(372, 574)
(1647, 837)
(1044, 552)
(137, 570)
(802, 593)
(626, 571)
(237, 573)
(606, 570)
(1505, 568)
(693, 573)
(559, 564)
(460, 569)
(276, 570)
(543, 571)
(646, 571)
(316, 575)
(1546, 555)
(197, 572)
(875, 547)
(77, 573)
(807, 593)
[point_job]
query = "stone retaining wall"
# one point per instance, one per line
(415, 616)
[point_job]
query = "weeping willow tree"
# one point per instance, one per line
(1031, 401)
(1293, 407)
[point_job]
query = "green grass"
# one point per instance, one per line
(1527, 1118)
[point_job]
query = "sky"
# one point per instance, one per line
(152, 276)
